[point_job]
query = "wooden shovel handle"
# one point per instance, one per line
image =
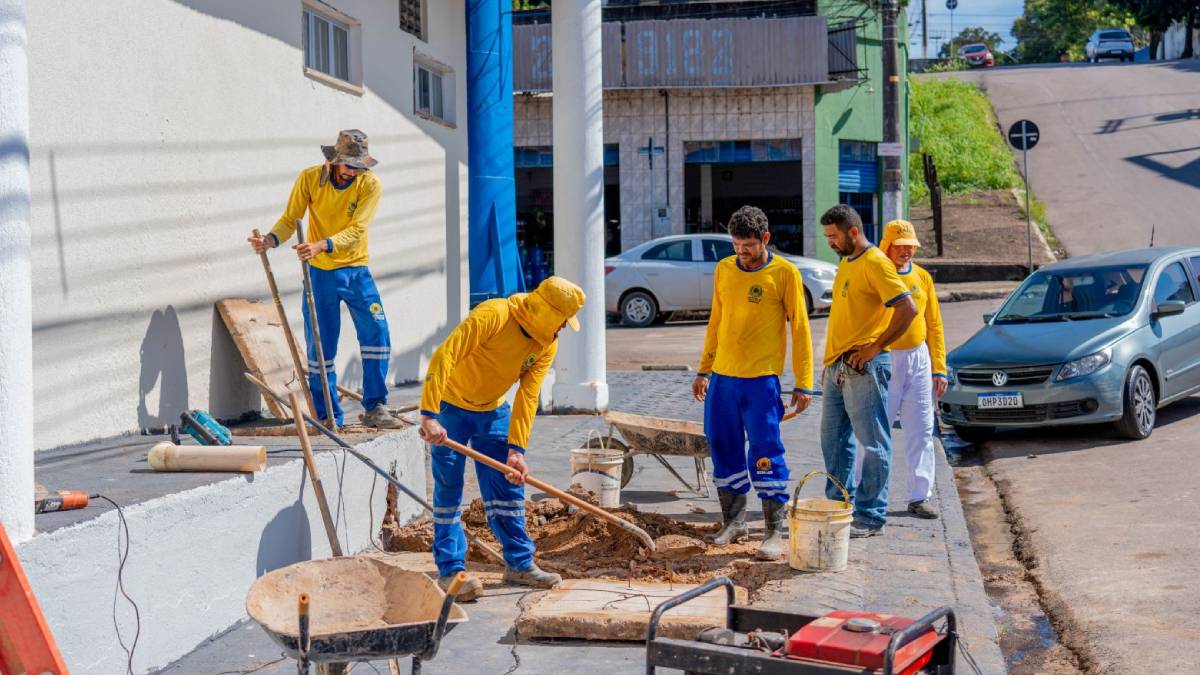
(551, 490)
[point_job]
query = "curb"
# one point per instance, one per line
(966, 296)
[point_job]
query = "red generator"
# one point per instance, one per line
(770, 642)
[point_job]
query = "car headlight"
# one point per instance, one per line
(949, 376)
(1086, 365)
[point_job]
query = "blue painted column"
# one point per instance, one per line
(495, 265)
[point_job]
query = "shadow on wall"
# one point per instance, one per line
(287, 538)
(163, 363)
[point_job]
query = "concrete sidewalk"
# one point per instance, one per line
(915, 567)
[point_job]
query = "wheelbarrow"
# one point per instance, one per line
(657, 437)
(362, 609)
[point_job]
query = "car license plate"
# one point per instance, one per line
(1004, 399)
(1114, 51)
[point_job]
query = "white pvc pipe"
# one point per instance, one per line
(167, 456)
(578, 117)
(16, 317)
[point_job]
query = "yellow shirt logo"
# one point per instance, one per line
(350, 209)
(846, 288)
(529, 361)
(756, 293)
(916, 291)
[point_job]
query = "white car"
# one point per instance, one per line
(675, 274)
(1109, 43)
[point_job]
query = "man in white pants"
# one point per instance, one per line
(918, 368)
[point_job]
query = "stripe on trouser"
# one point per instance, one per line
(375, 357)
(729, 480)
(369, 348)
(494, 512)
(772, 493)
(446, 521)
(446, 509)
(510, 503)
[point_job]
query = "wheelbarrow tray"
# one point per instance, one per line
(660, 436)
(361, 609)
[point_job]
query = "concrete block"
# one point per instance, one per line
(194, 554)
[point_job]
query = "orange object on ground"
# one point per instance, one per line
(26, 643)
(63, 500)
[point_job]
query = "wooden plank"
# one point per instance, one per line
(255, 329)
(590, 609)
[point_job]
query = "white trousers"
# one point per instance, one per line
(910, 397)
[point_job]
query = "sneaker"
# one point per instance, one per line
(380, 418)
(469, 591)
(921, 509)
(862, 530)
(533, 577)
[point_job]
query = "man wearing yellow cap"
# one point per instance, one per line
(502, 341)
(918, 367)
(871, 310)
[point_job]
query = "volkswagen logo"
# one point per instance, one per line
(999, 378)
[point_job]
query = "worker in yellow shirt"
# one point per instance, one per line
(871, 308)
(758, 299)
(918, 367)
(340, 197)
(502, 341)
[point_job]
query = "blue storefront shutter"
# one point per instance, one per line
(858, 167)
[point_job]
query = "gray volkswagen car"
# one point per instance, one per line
(1100, 338)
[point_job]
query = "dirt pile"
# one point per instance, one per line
(581, 546)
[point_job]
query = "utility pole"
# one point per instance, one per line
(924, 30)
(892, 193)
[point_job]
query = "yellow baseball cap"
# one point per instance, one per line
(899, 232)
(565, 297)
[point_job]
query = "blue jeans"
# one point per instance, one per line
(504, 503)
(738, 409)
(854, 405)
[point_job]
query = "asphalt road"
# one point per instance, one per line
(1113, 526)
(1119, 151)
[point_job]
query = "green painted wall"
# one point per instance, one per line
(855, 113)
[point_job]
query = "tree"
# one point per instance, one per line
(969, 36)
(1052, 29)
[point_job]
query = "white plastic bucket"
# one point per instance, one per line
(820, 530)
(598, 470)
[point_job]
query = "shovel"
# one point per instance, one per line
(636, 531)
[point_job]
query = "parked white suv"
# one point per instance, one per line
(1109, 43)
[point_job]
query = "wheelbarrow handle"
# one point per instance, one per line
(304, 641)
(439, 630)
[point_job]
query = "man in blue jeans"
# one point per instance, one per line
(871, 309)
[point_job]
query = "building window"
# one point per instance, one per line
(412, 17)
(433, 89)
(331, 43)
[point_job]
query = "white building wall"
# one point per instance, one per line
(1174, 40)
(631, 117)
(163, 131)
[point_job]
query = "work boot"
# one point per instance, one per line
(860, 530)
(922, 509)
(471, 589)
(733, 519)
(380, 418)
(534, 577)
(771, 547)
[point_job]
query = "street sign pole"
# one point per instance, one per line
(1028, 213)
(1024, 135)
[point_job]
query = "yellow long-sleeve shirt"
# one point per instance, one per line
(501, 341)
(864, 290)
(339, 215)
(747, 329)
(927, 326)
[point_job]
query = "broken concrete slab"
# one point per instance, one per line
(615, 610)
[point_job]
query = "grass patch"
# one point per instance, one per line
(956, 125)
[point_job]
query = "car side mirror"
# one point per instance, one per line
(1168, 308)
(987, 318)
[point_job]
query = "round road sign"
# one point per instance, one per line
(951, 5)
(1023, 135)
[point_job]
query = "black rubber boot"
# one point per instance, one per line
(774, 514)
(733, 517)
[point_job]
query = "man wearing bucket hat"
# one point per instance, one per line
(918, 367)
(758, 299)
(340, 197)
(502, 341)
(871, 309)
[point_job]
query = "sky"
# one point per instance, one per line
(995, 16)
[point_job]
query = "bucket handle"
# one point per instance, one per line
(811, 474)
(587, 444)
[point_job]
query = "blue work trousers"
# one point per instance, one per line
(355, 287)
(855, 405)
(504, 503)
(741, 409)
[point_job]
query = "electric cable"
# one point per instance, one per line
(123, 556)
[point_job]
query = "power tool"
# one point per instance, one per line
(201, 426)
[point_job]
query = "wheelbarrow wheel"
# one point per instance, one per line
(615, 445)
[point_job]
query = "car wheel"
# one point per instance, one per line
(808, 303)
(1140, 405)
(974, 434)
(639, 309)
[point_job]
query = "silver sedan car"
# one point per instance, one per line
(675, 274)
(1100, 338)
